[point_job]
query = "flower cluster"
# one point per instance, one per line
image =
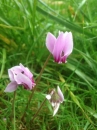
(60, 47)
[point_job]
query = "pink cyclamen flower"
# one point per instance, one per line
(19, 75)
(60, 47)
(55, 99)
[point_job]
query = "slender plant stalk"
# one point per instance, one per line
(13, 111)
(33, 90)
(12, 116)
(38, 110)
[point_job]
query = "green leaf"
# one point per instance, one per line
(64, 22)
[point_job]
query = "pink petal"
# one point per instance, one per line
(50, 42)
(26, 71)
(11, 87)
(60, 94)
(13, 71)
(22, 79)
(16, 69)
(68, 47)
(11, 75)
(60, 43)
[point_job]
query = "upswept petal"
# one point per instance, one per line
(12, 86)
(50, 42)
(56, 107)
(58, 47)
(16, 69)
(13, 72)
(26, 71)
(11, 75)
(68, 46)
(60, 94)
(22, 79)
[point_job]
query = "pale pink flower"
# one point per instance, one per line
(20, 75)
(60, 47)
(55, 98)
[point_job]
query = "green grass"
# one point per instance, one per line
(23, 29)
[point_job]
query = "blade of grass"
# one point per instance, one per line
(3, 62)
(64, 22)
(74, 98)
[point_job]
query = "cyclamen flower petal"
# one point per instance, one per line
(22, 79)
(60, 47)
(55, 99)
(20, 75)
(48, 97)
(56, 107)
(60, 94)
(50, 41)
(14, 71)
(12, 86)
(26, 70)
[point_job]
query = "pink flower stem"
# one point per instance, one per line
(33, 90)
(38, 110)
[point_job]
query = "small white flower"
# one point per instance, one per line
(55, 98)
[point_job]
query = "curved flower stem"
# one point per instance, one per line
(38, 110)
(33, 90)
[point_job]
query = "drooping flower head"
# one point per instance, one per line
(20, 75)
(55, 98)
(60, 47)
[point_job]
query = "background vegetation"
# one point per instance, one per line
(23, 29)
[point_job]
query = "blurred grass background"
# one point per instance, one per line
(23, 29)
